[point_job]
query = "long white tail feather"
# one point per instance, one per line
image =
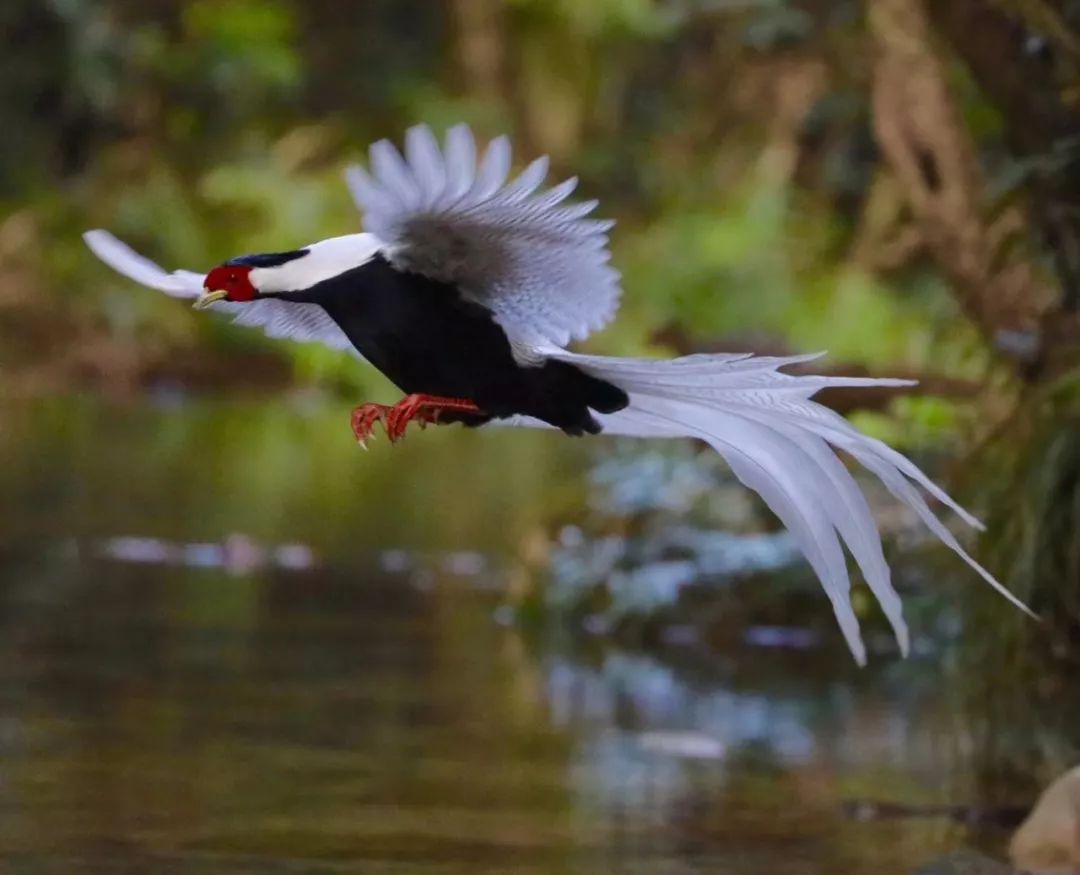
(766, 463)
(855, 523)
(781, 445)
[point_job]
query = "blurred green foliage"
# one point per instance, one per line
(732, 140)
(199, 129)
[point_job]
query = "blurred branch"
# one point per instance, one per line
(1026, 60)
(479, 38)
(929, 150)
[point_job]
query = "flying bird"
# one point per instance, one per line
(464, 290)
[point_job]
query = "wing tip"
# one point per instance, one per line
(110, 249)
(460, 136)
(98, 239)
(419, 130)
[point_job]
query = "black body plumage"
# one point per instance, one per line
(268, 259)
(427, 338)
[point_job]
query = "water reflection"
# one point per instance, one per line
(344, 716)
(290, 700)
(237, 554)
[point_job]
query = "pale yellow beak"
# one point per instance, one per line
(209, 298)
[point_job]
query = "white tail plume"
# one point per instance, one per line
(781, 444)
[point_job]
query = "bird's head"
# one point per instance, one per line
(276, 274)
(227, 282)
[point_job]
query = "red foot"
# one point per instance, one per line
(364, 418)
(424, 409)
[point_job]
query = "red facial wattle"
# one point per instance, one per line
(233, 279)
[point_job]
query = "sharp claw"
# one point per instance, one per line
(363, 422)
(422, 409)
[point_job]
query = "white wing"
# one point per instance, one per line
(540, 266)
(278, 319)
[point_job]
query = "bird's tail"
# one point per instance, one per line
(782, 445)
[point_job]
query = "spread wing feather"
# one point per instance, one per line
(539, 265)
(278, 319)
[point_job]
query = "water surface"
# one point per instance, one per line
(232, 642)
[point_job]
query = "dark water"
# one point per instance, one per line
(337, 689)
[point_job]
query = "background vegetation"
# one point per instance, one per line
(894, 180)
(814, 174)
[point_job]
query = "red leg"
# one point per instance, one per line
(364, 418)
(424, 409)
